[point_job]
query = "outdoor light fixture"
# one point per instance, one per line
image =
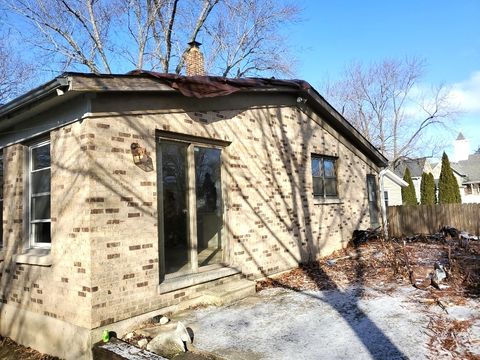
(141, 158)
(139, 154)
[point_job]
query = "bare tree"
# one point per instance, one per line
(240, 36)
(76, 31)
(386, 103)
(14, 73)
(141, 17)
(245, 37)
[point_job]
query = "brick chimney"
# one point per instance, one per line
(194, 62)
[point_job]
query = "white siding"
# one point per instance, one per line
(394, 192)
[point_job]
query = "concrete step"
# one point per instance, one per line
(229, 292)
(233, 288)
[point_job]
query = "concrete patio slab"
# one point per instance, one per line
(348, 324)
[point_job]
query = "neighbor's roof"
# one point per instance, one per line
(470, 168)
(416, 166)
(72, 84)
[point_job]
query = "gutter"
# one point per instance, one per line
(58, 87)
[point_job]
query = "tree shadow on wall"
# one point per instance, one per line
(282, 159)
(302, 220)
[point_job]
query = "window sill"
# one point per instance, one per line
(39, 257)
(181, 282)
(327, 201)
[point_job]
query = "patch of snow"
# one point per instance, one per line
(283, 324)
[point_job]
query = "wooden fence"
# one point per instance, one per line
(428, 219)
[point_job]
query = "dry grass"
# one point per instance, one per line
(379, 263)
(450, 338)
(10, 350)
(386, 265)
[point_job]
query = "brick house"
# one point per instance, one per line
(127, 194)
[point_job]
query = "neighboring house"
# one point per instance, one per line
(470, 170)
(389, 183)
(466, 168)
(392, 185)
(127, 194)
(417, 167)
(467, 174)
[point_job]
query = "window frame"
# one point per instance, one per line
(322, 158)
(468, 189)
(32, 244)
(192, 142)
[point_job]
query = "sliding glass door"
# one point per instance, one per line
(176, 244)
(190, 206)
(208, 198)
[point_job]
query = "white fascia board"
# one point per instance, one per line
(395, 178)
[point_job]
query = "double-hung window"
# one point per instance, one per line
(324, 177)
(39, 194)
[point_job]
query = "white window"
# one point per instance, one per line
(39, 194)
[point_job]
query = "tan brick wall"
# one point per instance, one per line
(272, 219)
(61, 291)
(10, 287)
(104, 208)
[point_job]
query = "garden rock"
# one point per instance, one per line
(438, 275)
(142, 343)
(170, 343)
(160, 319)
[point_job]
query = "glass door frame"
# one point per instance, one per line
(191, 143)
(373, 208)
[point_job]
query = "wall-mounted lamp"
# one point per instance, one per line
(140, 157)
(139, 153)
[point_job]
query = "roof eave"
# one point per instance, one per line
(63, 83)
(60, 83)
(395, 178)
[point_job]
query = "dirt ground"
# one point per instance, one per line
(10, 350)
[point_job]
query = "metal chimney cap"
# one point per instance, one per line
(194, 44)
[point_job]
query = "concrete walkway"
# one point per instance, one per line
(349, 324)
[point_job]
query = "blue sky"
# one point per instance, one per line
(445, 33)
